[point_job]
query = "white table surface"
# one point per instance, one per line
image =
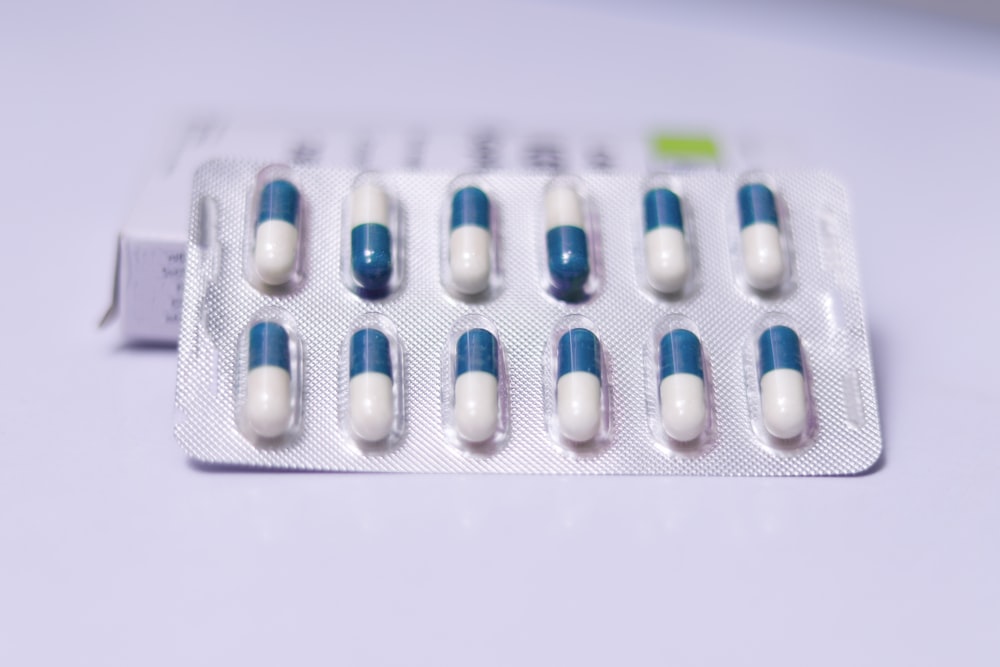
(115, 551)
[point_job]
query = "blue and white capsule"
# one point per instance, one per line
(761, 239)
(268, 405)
(276, 238)
(566, 243)
(370, 395)
(476, 386)
(783, 398)
(578, 388)
(683, 409)
(371, 238)
(666, 253)
(470, 240)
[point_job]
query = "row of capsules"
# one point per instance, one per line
(469, 263)
(475, 400)
(370, 268)
(270, 406)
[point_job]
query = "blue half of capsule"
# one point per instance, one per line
(579, 350)
(756, 202)
(569, 262)
(680, 352)
(470, 206)
(371, 255)
(370, 353)
(279, 200)
(268, 346)
(779, 348)
(662, 208)
(477, 350)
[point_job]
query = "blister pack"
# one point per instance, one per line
(610, 323)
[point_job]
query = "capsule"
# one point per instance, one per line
(566, 243)
(476, 406)
(277, 237)
(578, 390)
(682, 386)
(469, 243)
(372, 408)
(269, 381)
(666, 252)
(762, 258)
(782, 383)
(371, 240)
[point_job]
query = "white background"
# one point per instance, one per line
(115, 551)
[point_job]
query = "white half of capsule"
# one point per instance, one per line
(476, 407)
(269, 401)
(762, 258)
(578, 404)
(666, 259)
(275, 248)
(783, 402)
(469, 258)
(371, 406)
(369, 203)
(563, 208)
(682, 406)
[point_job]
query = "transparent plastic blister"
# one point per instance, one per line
(372, 385)
(761, 240)
(277, 225)
(779, 385)
(268, 374)
(475, 398)
(470, 255)
(666, 247)
(570, 249)
(680, 400)
(577, 387)
(423, 322)
(373, 252)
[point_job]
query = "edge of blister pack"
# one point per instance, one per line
(819, 297)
